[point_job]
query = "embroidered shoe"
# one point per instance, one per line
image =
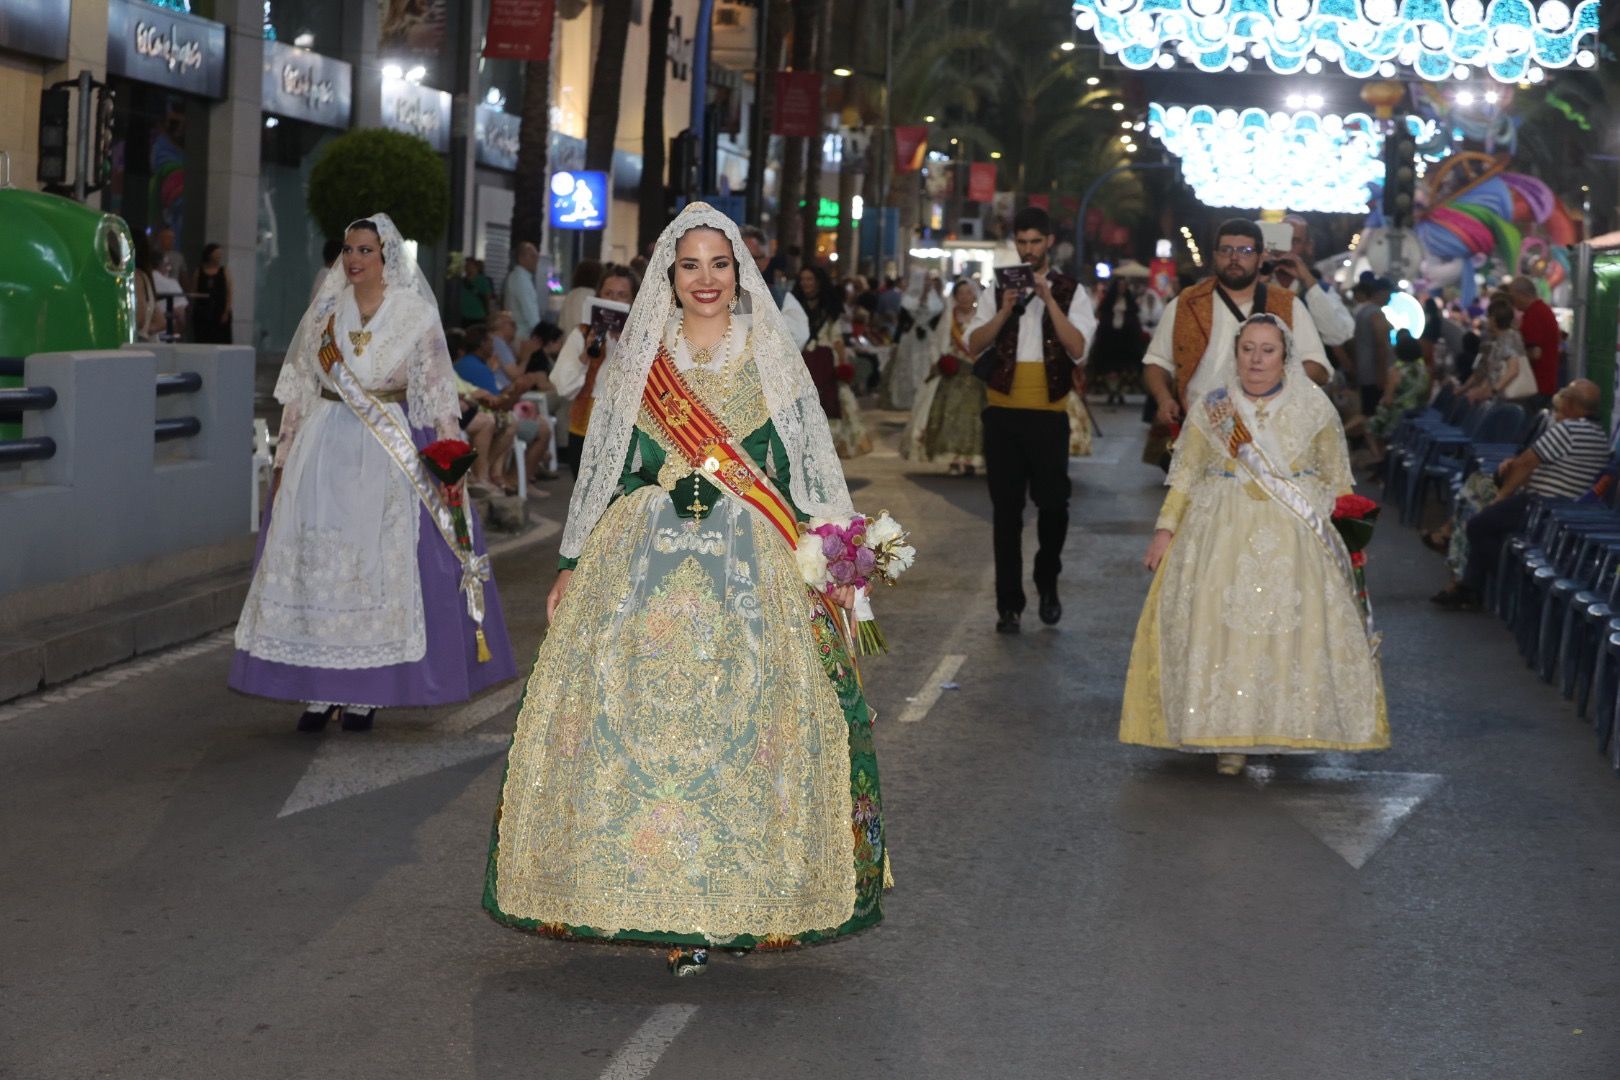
(314, 720)
(358, 720)
(1230, 764)
(685, 961)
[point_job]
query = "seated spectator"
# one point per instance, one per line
(1563, 463)
(503, 335)
(1503, 370)
(1406, 387)
(475, 368)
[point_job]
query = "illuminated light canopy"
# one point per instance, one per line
(1510, 40)
(1254, 159)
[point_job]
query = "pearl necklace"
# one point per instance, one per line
(705, 357)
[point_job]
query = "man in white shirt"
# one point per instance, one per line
(522, 294)
(1192, 349)
(793, 314)
(1334, 323)
(1033, 341)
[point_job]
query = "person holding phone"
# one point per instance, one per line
(1292, 254)
(1030, 334)
(1191, 350)
(584, 352)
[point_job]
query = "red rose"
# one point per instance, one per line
(949, 365)
(444, 452)
(844, 373)
(1354, 506)
(1358, 559)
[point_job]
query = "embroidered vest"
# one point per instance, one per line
(1059, 368)
(1195, 318)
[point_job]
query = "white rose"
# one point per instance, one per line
(882, 530)
(812, 563)
(900, 559)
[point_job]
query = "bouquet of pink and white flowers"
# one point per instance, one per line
(855, 553)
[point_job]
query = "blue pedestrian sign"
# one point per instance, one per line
(579, 200)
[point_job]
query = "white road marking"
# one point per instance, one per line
(918, 706)
(90, 684)
(350, 765)
(1354, 813)
(640, 1053)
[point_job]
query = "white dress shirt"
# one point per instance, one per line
(1031, 335)
(798, 323)
(1220, 354)
(522, 300)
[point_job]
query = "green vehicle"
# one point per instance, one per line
(67, 281)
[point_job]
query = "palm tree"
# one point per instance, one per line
(529, 193)
(654, 195)
(602, 114)
(806, 16)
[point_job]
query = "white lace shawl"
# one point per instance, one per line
(818, 486)
(408, 351)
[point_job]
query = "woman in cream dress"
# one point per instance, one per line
(693, 760)
(1252, 639)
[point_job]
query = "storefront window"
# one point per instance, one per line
(157, 175)
(421, 34)
(500, 84)
(307, 24)
(289, 244)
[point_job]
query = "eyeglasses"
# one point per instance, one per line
(1226, 251)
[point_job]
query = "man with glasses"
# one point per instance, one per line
(798, 323)
(1192, 349)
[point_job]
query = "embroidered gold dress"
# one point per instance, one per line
(1250, 639)
(693, 757)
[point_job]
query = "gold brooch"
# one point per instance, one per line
(359, 339)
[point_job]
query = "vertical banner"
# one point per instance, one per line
(910, 146)
(798, 104)
(1162, 277)
(519, 30)
(981, 181)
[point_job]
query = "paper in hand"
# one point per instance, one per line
(608, 316)
(1018, 277)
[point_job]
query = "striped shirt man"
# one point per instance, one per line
(1571, 454)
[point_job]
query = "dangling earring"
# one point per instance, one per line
(735, 296)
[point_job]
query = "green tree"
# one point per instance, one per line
(376, 171)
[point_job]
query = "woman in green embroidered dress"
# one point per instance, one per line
(693, 761)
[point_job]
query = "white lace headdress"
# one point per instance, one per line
(400, 271)
(1296, 413)
(818, 486)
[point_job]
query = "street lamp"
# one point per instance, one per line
(843, 72)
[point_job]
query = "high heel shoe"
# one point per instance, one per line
(687, 961)
(314, 720)
(357, 720)
(1230, 764)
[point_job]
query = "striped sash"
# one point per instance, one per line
(708, 447)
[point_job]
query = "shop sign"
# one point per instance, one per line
(579, 200)
(304, 85)
(417, 110)
(36, 27)
(497, 138)
(166, 48)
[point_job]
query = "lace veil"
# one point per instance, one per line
(1295, 415)
(818, 486)
(299, 382)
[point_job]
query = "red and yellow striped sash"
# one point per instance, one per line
(709, 448)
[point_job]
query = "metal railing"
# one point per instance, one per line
(15, 402)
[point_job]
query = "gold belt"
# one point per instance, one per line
(387, 397)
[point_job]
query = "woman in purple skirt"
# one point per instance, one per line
(362, 597)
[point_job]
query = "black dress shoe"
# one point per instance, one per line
(1051, 609)
(357, 721)
(1007, 623)
(314, 720)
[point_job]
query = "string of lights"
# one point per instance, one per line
(1508, 40)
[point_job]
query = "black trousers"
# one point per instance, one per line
(1488, 530)
(1026, 451)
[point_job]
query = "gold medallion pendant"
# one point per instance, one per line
(359, 339)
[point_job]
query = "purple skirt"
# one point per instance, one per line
(448, 672)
